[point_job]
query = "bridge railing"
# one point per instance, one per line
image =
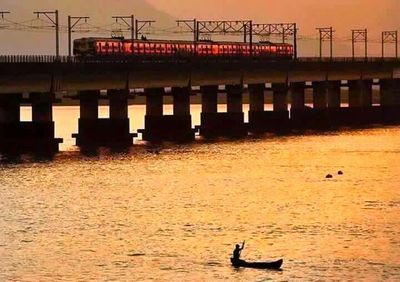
(36, 59)
(71, 59)
(347, 59)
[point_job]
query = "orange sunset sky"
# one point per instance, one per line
(343, 15)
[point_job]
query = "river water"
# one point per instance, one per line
(175, 213)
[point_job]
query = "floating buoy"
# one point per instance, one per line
(329, 176)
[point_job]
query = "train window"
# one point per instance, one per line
(200, 49)
(98, 48)
(215, 50)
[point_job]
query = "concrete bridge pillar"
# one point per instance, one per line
(176, 127)
(319, 95)
(181, 101)
(36, 136)
(209, 99)
(107, 132)
(256, 95)
(298, 111)
(153, 130)
(360, 109)
(118, 104)
(10, 108)
(278, 119)
(335, 112)
(280, 95)
(297, 91)
(234, 98)
(319, 114)
(154, 101)
(41, 130)
(181, 122)
(390, 100)
(360, 93)
(89, 104)
(10, 122)
(229, 124)
(257, 115)
(42, 107)
(88, 124)
(334, 94)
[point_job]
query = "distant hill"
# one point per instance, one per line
(343, 15)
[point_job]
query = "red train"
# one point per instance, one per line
(117, 47)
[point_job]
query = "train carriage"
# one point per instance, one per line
(106, 47)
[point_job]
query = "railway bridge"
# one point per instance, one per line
(36, 80)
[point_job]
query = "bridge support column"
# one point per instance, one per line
(10, 126)
(334, 94)
(153, 128)
(390, 100)
(95, 132)
(176, 127)
(258, 118)
(36, 136)
(361, 111)
(118, 131)
(41, 129)
(229, 124)
(335, 114)
(319, 115)
(298, 110)
(279, 118)
(39, 134)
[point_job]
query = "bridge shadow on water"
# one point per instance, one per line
(143, 148)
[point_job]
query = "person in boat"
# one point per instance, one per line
(237, 252)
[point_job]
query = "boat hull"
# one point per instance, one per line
(258, 265)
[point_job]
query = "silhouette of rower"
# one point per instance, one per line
(237, 251)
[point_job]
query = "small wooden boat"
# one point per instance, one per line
(258, 265)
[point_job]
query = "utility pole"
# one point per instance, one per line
(390, 37)
(359, 35)
(326, 34)
(53, 20)
(2, 15)
(140, 25)
(251, 37)
(191, 25)
(279, 29)
(295, 41)
(72, 22)
(226, 27)
(129, 21)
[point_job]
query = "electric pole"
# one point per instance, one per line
(53, 18)
(72, 22)
(140, 25)
(129, 21)
(326, 34)
(191, 25)
(359, 35)
(390, 37)
(3, 13)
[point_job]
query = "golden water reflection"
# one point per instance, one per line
(176, 216)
